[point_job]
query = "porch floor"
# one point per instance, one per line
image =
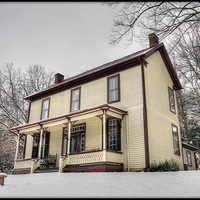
(46, 170)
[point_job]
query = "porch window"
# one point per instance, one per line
(171, 100)
(64, 148)
(189, 158)
(113, 89)
(45, 109)
(36, 141)
(22, 146)
(75, 99)
(175, 140)
(45, 145)
(114, 135)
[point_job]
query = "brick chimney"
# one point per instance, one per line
(58, 78)
(153, 40)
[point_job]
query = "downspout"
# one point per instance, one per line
(128, 150)
(146, 138)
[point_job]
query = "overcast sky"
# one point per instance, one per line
(64, 37)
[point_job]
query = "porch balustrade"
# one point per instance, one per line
(86, 158)
(90, 157)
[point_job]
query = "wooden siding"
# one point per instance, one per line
(93, 94)
(20, 164)
(160, 118)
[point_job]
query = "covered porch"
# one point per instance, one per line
(87, 140)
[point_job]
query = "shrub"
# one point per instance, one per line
(167, 165)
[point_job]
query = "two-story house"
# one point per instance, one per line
(120, 116)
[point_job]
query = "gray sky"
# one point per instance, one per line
(65, 37)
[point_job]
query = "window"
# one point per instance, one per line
(114, 135)
(36, 141)
(113, 89)
(175, 140)
(75, 99)
(77, 140)
(45, 145)
(22, 146)
(189, 158)
(45, 109)
(64, 144)
(171, 100)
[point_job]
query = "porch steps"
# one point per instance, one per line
(46, 170)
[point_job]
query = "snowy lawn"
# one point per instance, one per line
(183, 184)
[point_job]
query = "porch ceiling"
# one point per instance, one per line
(75, 116)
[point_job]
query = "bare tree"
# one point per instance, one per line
(14, 86)
(186, 58)
(138, 19)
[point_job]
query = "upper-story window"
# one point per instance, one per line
(75, 99)
(175, 140)
(113, 89)
(45, 109)
(171, 100)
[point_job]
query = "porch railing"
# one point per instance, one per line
(90, 157)
(35, 163)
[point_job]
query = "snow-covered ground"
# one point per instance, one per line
(183, 184)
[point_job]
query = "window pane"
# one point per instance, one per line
(75, 105)
(114, 135)
(113, 83)
(45, 104)
(75, 100)
(175, 140)
(65, 145)
(189, 158)
(82, 142)
(171, 100)
(44, 114)
(113, 89)
(114, 95)
(111, 96)
(73, 144)
(45, 109)
(75, 95)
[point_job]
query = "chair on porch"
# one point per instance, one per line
(49, 162)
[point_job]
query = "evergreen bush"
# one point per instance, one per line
(167, 165)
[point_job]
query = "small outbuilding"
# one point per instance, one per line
(189, 156)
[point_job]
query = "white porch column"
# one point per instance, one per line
(104, 135)
(69, 137)
(17, 145)
(40, 145)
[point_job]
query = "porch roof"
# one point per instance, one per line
(73, 114)
(189, 146)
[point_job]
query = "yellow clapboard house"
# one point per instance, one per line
(120, 116)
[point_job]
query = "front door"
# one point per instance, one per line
(77, 140)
